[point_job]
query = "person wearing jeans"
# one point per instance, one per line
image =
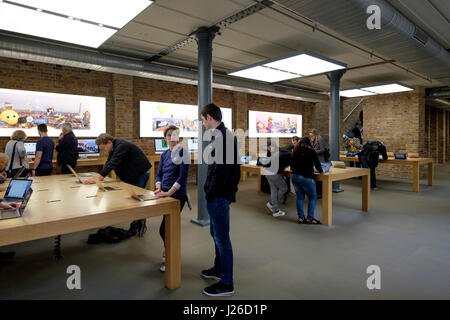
(304, 157)
(273, 171)
(220, 187)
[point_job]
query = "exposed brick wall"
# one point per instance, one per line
(123, 93)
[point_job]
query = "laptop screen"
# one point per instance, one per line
(18, 188)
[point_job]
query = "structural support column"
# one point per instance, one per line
(205, 37)
(335, 136)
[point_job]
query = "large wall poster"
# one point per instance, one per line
(271, 124)
(155, 116)
(25, 110)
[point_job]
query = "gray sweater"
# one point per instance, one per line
(319, 146)
(20, 152)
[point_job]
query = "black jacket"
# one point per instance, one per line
(222, 178)
(284, 160)
(372, 149)
(67, 149)
(303, 163)
(127, 160)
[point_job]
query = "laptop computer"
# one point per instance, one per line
(102, 187)
(16, 212)
(262, 161)
(17, 190)
(74, 173)
(139, 197)
(246, 159)
(325, 167)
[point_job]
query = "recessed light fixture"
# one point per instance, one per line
(69, 20)
(373, 90)
(290, 66)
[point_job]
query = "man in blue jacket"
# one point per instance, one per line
(67, 148)
(220, 190)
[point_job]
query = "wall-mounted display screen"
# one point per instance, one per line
(25, 110)
(270, 124)
(193, 145)
(160, 145)
(30, 148)
(155, 116)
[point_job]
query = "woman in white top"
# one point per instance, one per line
(19, 159)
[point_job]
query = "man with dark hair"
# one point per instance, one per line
(43, 165)
(129, 163)
(67, 148)
(220, 190)
(371, 152)
(356, 130)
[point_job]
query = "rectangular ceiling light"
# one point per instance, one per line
(388, 88)
(262, 73)
(355, 93)
(112, 13)
(290, 66)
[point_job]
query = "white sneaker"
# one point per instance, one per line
(279, 213)
(162, 268)
(164, 257)
(268, 205)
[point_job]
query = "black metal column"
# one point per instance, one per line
(205, 37)
(335, 82)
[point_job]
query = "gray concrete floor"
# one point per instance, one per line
(406, 234)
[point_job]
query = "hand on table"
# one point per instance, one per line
(89, 181)
(162, 194)
(9, 205)
(4, 174)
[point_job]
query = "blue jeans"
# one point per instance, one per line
(302, 186)
(219, 215)
(365, 163)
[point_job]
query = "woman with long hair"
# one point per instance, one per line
(304, 158)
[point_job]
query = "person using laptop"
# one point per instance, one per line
(4, 159)
(43, 165)
(172, 175)
(15, 149)
(129, 163)
(67, 148)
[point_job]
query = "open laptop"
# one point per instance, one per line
(16, 212)
(246, 159)
(17, 190)
(74, 173)
(102, 187)
(139, 197)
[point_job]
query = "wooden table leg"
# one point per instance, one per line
(243, 174)
(173, 248)
(327, 202)
(430, 173)
(416, 177)
(366, 192)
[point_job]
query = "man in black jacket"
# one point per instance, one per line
(129, 163)
(67, 148)
(220, 190)
(369, 157)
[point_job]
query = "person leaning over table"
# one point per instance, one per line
(43, 165)
(172, 175)
(4, 159)
(304, 158)
(129, 163)
(15, 149)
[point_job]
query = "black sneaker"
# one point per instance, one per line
(219, 289)
(211, 274)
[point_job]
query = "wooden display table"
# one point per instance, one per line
(415, 163)
(60, 205)
(337, 174)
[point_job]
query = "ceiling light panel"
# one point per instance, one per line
(40, 24)
(388, 88)
(305, 65)
(355, 93)
(264, 74)
(112, 13)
